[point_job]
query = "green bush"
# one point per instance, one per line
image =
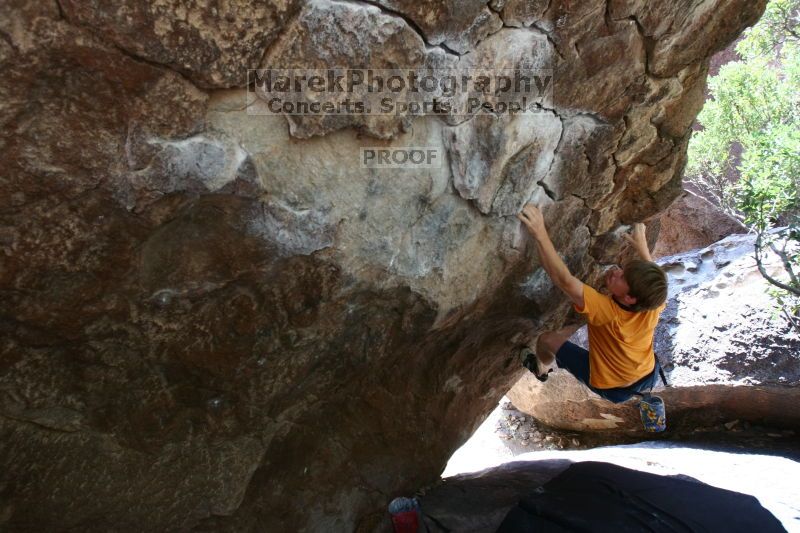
(751, 129)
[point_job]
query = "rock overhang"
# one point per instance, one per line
(189, 284)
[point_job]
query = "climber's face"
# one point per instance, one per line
(618, 286)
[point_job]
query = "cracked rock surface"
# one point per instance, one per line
(217, 319)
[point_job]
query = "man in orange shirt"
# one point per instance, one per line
(620, 361)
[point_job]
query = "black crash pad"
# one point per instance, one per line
(601, 497)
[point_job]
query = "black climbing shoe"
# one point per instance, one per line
(531, 362)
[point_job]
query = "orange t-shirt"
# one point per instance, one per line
(620, 341)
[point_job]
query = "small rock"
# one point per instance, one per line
(774, 435)
(730, 425)
(523, 442)
(163, 297)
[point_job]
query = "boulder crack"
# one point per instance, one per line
(408, 20)
(547, 35)
(557, 149)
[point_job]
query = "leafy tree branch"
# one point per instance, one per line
(748, 152)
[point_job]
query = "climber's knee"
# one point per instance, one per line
(550, 342)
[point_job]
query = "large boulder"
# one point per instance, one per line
(215, 317)
(693, 222)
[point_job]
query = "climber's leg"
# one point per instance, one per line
(574, 359)
(541, 362)
(550, 342)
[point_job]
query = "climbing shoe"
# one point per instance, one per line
(531, 362)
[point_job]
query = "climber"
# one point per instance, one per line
(620, 361)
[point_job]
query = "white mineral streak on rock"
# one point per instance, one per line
(400, 226)
(498, 161)
(537, 283)
(452, 384)
(214, 162)
(293, 231)
(608, 421)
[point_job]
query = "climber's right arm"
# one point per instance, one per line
(531, 216)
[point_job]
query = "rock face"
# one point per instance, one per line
(212, 43)
(692, 222)
(727, 352)
(218, 319)
(459, 26)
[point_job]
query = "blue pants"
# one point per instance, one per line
(576, 359)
